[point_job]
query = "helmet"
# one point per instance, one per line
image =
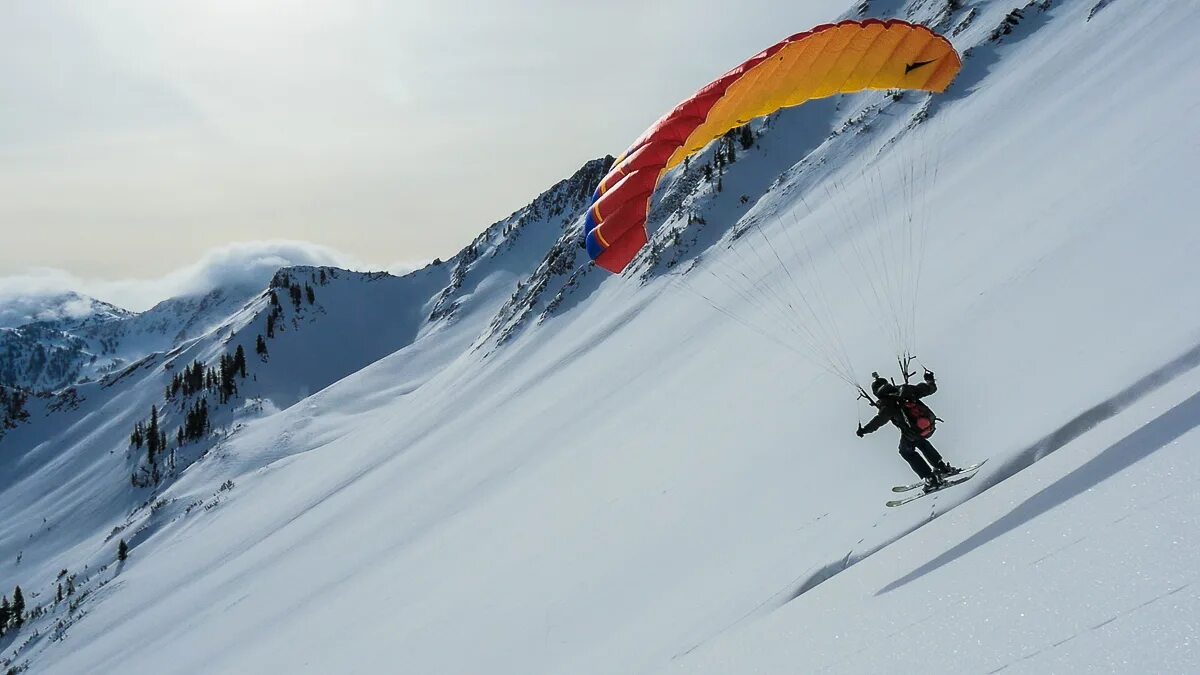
(882, 387)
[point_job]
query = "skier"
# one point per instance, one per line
(901, 405)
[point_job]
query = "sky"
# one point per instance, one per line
(138, 137)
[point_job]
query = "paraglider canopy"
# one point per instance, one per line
(830, 59)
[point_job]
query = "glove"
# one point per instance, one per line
(929, 376)
(860, 433)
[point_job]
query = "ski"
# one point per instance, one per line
(950, 483)
(914, 486)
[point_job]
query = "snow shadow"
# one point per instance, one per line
(1085, 421)
(1124, 453)
(1071, 430)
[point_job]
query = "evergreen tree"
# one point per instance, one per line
(12, 401)
(260, 347)
(708, 172)
(18, 608)
(228, 386)
(58, 597)
(312, 296)
(271, 325)
(224, 375)
(153, 435)
(122, 551)
(746, 136)
(196, 422)
(200, 378)
(239, 361)
(5, 615)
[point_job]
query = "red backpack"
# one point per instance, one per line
(920, 418)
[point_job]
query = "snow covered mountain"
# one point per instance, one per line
(48, 355)
(77, 339)
(16, 312)
(43, 343)
(125, 437)
(512, 462)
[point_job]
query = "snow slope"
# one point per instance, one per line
(1086, 564)
(67, 460)
(632, 482)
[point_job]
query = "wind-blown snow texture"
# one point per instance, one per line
(512, 463)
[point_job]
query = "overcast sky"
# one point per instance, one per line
(136, 136)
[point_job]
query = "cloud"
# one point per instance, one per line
(241, 264)
(402, 267)
(47, 293)
(74, 308)
(36, 295)
(20, 308)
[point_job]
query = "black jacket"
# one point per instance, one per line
(890, 411)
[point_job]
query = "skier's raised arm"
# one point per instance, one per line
(926, 388)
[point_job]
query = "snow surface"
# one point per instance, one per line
(636, 483)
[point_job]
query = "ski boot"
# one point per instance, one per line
(948, 471)
(934, 482)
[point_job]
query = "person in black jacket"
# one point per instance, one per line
(892, 402)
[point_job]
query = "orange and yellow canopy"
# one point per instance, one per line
(832, 59)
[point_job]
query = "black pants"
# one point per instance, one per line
(921, 455)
